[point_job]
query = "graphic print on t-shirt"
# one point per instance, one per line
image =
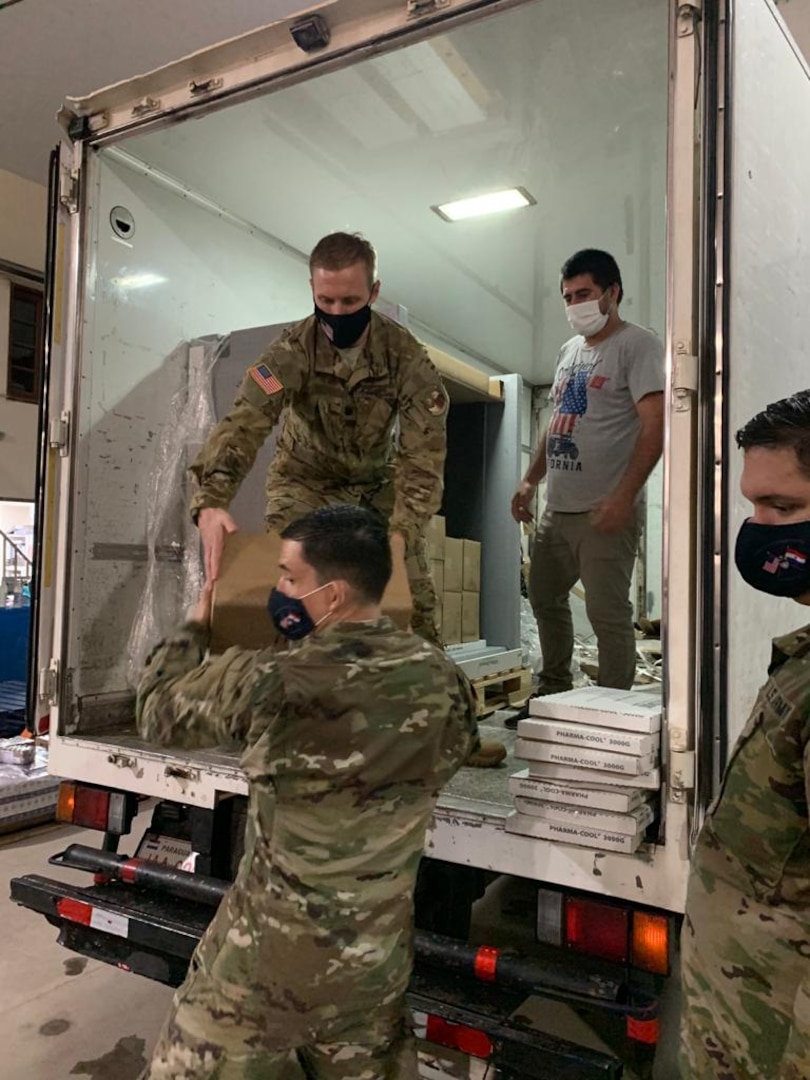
(570, 405)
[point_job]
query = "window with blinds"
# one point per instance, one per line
(25, 345)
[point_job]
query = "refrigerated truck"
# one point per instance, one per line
(183, 203)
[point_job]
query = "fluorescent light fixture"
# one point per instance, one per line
(137, 281)
(478, 205)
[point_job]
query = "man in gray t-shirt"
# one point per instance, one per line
(604, 437)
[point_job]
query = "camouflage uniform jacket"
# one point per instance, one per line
(338, 420)
(347, 738)
(746, 938)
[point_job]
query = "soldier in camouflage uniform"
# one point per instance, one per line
(339, 380)
(746, 937)
(347, 738)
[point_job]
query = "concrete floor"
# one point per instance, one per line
(62, 1015)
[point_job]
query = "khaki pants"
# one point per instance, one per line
(568, 549)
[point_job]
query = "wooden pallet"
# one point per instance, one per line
(502, 690)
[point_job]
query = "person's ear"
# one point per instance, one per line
(340, 594)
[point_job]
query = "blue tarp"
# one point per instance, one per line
(14, 623)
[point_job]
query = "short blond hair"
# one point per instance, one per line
(339, 250)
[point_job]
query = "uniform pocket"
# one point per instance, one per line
(374, 420)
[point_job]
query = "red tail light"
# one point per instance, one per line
(597, 929)
(458, 1037)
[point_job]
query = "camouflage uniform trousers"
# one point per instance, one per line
(290, 498)
(207, 1038)
(746, 986)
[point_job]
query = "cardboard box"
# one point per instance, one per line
(451, 618)
(550, 770)
(602, 706)
(628, 824)
(594, 796)
(471, 566)
(582, 836)
(249, 570)
(453, 564)
(437, 573)
(470, 615)
(434, 536)
(561, 731)
(583, 758)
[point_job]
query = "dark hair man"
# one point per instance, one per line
(603, 439)
(347, 739)
(745, 945)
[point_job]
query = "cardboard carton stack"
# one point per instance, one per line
(593, 767)
(456, 567)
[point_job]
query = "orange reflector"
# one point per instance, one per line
(66, 802)
(458, 1037)
(75, 910)
(597, 929)
(643, 1031)
(651, 942)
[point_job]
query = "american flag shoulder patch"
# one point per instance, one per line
(261, 374)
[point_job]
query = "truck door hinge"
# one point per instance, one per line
(69, 190)
(681, 773)
(684, 378)
(59, 433)
(49, 683)
(415, 8)
(689, 15)
(145, 106)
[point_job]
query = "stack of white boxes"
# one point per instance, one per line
(593, 772)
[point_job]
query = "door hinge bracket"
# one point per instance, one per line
(69, 190)
(59, 433)
(416, 8)
(689, 15)
(681, 771)
(145, 106)
(684, 378)
(208, 86)
(49, 683)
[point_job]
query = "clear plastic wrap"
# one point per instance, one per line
(174, 575)
(529, 637)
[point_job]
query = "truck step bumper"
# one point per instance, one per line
(154, 934)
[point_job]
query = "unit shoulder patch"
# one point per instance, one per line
(263, 377)
(436, 402)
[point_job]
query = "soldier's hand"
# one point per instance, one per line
(213, 524)
(521, 502)
(201, 612)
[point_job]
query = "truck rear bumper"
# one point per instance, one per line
(154, 935)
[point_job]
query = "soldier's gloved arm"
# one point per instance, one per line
(231, 448)
(186, 701)
(419, 465)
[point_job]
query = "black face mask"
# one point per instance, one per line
(290, 616)
(775, 558)
(346, 329)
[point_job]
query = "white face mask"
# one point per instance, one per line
(586, 318)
